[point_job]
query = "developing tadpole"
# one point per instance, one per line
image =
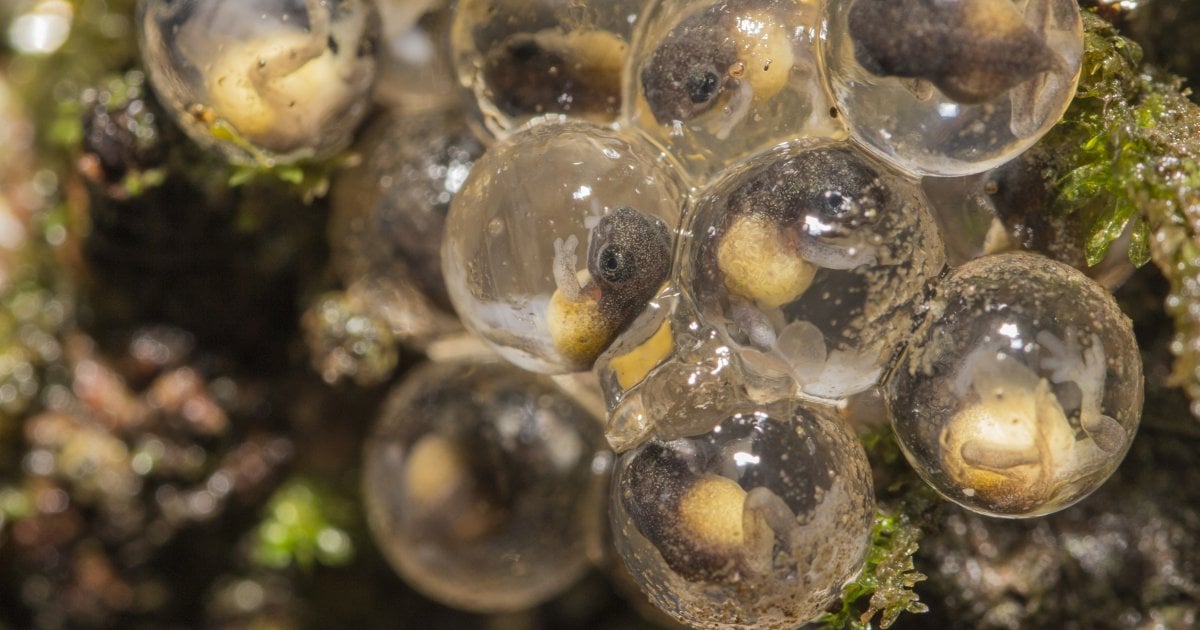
(1017, 402)
(756, 523)
(576, 72)
(811, 258)
(972, 50)
(629, 257)
(262, 80)
(731, 54)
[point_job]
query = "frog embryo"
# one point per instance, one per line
(629, 257)
(1014, 444)
(972, 50)
(732, 53)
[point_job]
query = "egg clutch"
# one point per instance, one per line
(724, 211)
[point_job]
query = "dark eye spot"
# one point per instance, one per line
(701, 86)
(836, 204)
(524, 50)
(615, 265)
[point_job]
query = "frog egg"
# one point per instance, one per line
(1008, 208)
(1021, 391)
(717, 81)
(479, 485)
(756, 523)
(517, 59)
(954, 87)
(560, 237)
(389, 215)
(811, 259)
(262, 81)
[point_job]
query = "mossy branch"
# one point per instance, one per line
(1127, 157)
(887, 578)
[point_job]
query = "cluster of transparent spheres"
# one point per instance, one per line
(746, 243)
(718, 208)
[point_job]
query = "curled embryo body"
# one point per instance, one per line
(795, 238)
(264, 68)
(978, 50)
(708, 527)
(629, 257)
(1014, 446)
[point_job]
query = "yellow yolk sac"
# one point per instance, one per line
(247, 89)
(579, 330)
(765, 53)
(635, 365)
(442, 491)
(481, 485)
(262, 81)
(1005, 450)
(755, 523)
(758, 263)
(436, 468)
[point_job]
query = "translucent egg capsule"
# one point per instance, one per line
(389, 215)
(522, 58)
(718, 81)
(756, 523)
(262, 81)
(952, 87)
(1021, 391)
(479, 486)
(561, 236)
(669, 373)
(1010, 208)
(810, 259)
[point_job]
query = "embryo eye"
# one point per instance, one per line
(701, 86)
(615, 265)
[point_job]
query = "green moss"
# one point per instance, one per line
(887, 579)
(885, 587)
(101, 42)
(1101, 145)
(304, 523)
(308, 178)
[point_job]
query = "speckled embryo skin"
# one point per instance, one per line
(755, 524)
(716, 82)
(813, 256)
